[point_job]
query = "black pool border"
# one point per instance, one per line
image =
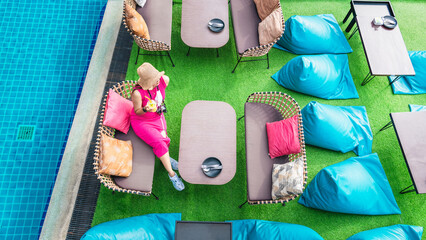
(88, 192)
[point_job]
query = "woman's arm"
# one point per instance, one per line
(137, 103)
(166, 80)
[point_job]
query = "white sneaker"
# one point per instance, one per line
(177, 182)
(175, 164)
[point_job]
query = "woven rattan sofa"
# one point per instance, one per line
(259, 109)
(140, 180)
(158, 17)
(246, 21)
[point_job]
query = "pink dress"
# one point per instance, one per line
(149, 125)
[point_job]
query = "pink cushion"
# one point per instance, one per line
(117, 112)
(283, 137)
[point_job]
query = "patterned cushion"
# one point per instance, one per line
(271, 27)
(116, 157)
(136, 22)
(287, 179)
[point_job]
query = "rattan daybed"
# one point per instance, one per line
(140, 180)
(259, 109)
(158, 17)
(245, 21)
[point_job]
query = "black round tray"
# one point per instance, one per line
(211, 161)
(389, 22)
(216, 25)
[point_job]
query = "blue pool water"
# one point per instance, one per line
(45, 50)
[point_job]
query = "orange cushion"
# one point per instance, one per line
(116, 157)
(266, 7)
(136, 22)
(271, 28)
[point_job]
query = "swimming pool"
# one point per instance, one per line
(46, 47)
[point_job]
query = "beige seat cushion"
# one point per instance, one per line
(266, 7)
(136, 22)
(259, 164)
(158, 16)
(271, 27)
(142, 167)
(116, 157)
(245, 22)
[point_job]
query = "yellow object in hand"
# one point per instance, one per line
(152, 104)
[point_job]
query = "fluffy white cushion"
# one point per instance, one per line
(141, 3)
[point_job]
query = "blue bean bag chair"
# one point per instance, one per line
(341, 129)
(357, 185)
(325, 76)
(261, 229)
(394, 232)
(417, 108)
(150, 226)
(412, 84)
(313, 35)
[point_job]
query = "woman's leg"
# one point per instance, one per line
(165, 159)
(151, 134)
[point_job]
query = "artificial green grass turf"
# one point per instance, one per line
(203, 76)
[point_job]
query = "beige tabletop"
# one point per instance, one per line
(384, 48)
(411, 132)
(208, 130)
(195, 17)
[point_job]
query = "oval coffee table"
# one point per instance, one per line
(208, 130)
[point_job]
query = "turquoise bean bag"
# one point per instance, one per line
(412, 84)
(357, 185)
(260, 230)
(394, 232)
(341, 129)
(313, 35)
(417, 108)
(150, 226)
(325, 76)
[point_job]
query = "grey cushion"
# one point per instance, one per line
(246, 22)
(287, 179)
(259, 164)
(158, 17)
(143, 164)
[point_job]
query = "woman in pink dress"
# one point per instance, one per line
(148, 120)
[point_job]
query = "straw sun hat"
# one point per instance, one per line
(148, 75)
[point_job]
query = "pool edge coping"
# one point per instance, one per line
(64, 194)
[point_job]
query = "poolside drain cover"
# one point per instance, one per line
(26, 132)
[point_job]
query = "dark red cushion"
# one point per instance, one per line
(283, 137)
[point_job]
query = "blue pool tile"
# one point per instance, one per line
(50, 71)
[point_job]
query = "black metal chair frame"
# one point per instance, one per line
(152, 54)
(251, 60)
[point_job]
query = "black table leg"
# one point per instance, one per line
(189, 49)
(347, 15)
(351, 24)
(388, 125)
(405, 190)
(367, 79)
(395, 79)
(355, 30)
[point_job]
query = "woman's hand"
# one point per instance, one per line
(148, 108)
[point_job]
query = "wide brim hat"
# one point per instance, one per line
(148, 75)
